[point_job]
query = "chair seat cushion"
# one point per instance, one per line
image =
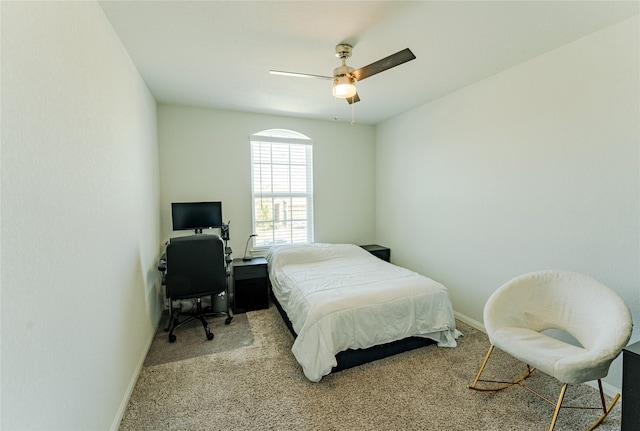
(564, 361)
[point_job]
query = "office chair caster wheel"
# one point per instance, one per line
(172, 338)
(227, 320)
(209, 336)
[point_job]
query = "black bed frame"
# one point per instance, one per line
(354, 357)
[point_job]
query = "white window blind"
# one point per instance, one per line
(282, 187)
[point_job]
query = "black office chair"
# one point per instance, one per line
(195, 268)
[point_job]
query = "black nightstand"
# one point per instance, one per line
(383, 253)
(630, 387)
(250, 284)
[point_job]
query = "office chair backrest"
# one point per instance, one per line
(195, 266)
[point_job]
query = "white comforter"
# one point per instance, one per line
(339, 297)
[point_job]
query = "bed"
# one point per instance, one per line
(341, 302)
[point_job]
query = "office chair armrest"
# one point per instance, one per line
(162, 267)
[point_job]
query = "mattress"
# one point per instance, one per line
(339, 297)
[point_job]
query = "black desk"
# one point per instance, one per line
(631, 387)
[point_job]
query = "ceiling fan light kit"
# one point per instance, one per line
(344, 87)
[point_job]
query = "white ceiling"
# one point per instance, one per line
(218, 53)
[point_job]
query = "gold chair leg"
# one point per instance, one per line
(505, 385)
(605, 409)
(558, 404)
(484, 362)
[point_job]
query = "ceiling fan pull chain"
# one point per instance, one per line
(353, 109)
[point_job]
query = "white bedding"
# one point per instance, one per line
(339, 297)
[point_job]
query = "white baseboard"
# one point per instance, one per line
(157, 302)
(132, 384)
(608, 389)
(469, 321)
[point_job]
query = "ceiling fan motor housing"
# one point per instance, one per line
(343, 50)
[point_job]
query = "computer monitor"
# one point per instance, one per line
(196, 215)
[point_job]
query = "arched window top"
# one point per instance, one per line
(282, 133)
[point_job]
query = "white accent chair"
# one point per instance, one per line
(517, 315)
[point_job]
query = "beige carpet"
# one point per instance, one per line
(261, 387)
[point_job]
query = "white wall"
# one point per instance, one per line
(534, 168)
(80, 226)
(205, 155)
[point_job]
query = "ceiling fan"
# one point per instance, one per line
(344, 77)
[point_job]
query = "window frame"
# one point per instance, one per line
(292, 140)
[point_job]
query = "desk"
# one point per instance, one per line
(631, 387)
(250, 284)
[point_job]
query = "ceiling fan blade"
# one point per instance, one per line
(354, 99)
(381, 65)
(298, 75)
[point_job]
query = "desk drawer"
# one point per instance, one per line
(249, 272)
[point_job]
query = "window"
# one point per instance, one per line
(281, 187)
